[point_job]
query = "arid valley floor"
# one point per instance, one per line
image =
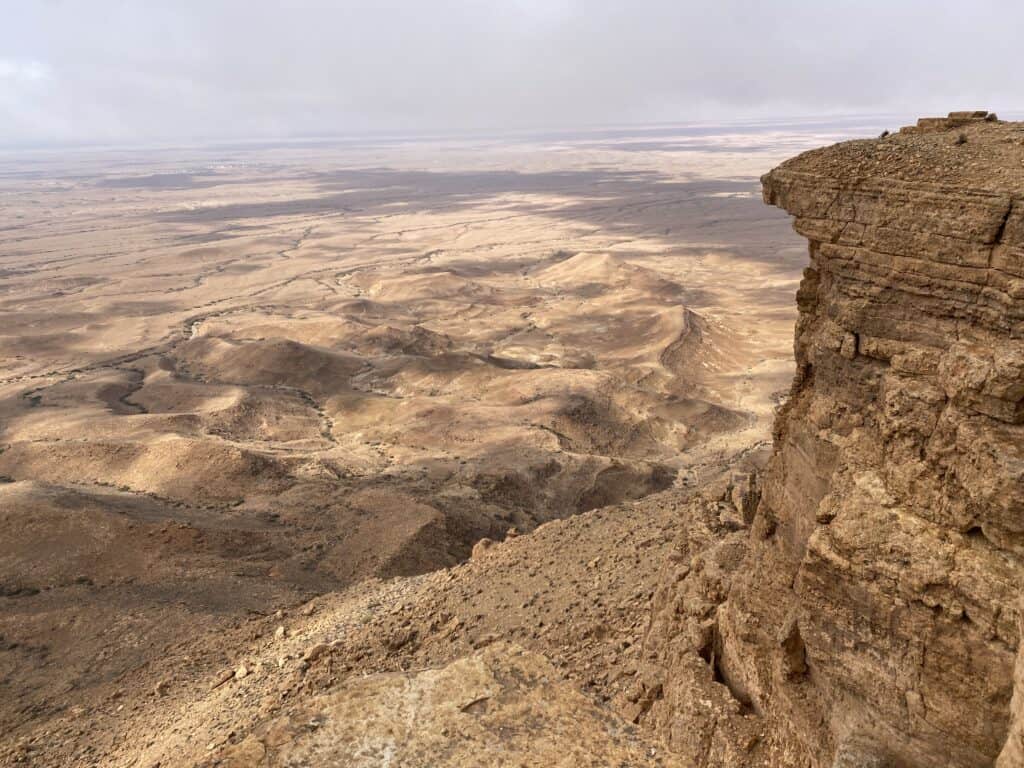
(261, 401)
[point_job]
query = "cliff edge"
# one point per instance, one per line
(869, 613)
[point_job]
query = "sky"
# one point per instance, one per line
(130, 71)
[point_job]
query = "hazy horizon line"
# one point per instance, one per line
(422, 135)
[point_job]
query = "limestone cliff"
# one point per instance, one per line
(868, 613)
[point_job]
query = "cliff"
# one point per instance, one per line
(868, 613)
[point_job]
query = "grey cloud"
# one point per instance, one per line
(123, 70)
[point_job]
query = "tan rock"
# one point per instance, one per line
(315, 652)
(223, 677)
(481, 548)
(500, 706)
(871, 617)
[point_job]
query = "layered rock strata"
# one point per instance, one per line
(869, 614)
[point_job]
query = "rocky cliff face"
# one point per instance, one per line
(868, 613)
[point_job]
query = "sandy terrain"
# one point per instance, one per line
(235, 378)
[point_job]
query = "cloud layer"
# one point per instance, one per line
(188, 70)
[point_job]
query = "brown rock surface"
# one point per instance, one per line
(1013, 751)
(873, 617)
(503, 706)
(574, 594)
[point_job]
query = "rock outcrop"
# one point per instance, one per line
(869, 614)
(501, 706)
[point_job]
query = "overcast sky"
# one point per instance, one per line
(188, 70)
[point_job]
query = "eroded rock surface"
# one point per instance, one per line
(871, 617)
(503, 706)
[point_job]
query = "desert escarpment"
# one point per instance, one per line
(868, 613)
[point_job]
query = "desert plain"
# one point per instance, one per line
(240, 381)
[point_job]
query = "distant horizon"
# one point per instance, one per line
(578, 132)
